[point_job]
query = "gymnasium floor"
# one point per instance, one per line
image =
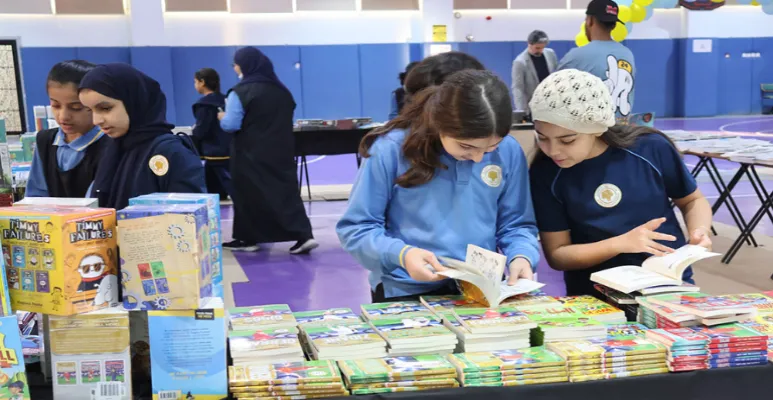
(329, 277)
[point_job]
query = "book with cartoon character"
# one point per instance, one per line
(13, 378)
(90, 351)
(265, 346)
(394, 310)
(391, 369)
(655, 272)
(480, 277)
(704, 305)
(345, 341)
(269, 316)
(415, 335)
(165, 262)
(188, 352)
(324, 317)
(63, 259)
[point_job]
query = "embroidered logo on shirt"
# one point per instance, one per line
(608, 195)
(492, 175)
(159, 165)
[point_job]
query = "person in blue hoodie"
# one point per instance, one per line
(444, 174)
(213, 143)
(144, 156)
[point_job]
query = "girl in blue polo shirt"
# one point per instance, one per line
(602, 192)
(442, 175)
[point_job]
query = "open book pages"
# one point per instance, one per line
(673, 265)
(483, 270)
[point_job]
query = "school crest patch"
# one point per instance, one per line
(608, 195)
(159, 165)
(492, 175)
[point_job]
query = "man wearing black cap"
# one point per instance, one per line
(604, 57)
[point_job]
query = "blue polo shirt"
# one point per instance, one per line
(610, 195)
(68, 156)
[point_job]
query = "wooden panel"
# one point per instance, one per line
(538, 5)
(369, 5)
(479, 4)
(89, 7)
(326, 5)
(196, 5)
(261, 6)
(25, 7)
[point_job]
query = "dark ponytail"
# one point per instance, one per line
(624, 136)
(210, 77)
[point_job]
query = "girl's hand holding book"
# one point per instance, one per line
(700, 236)
(520, 268)
(422, 265)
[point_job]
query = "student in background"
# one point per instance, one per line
(144, 156)
(602, 193)
(66, 158)
(398, 96)
(434, 70)
(267, 203)
(530, 68)
(605, 58)
(211, 140)
(444, 174)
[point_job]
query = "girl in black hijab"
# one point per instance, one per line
(144, 156)
(267, 202)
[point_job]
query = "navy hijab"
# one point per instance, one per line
(256, 68)
(145, 104)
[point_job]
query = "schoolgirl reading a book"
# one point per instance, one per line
(442, 175)
(602, 193)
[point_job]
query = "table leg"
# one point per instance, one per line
(308, 179)
(756, 181)
(300, 171)
(735, 212)
(766, 205)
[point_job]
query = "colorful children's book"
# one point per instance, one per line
(731, 333)
(507, 319)
(344, 341)
(392, 310)
(676, 338)
(60, 260)
(481, 274)
(631, 330)
(441, 304)
(396, 368)
(323, 317)
(761, 301)
(528, 359)
(264, 343)
(259, 317)
(293, 373)
(13, 378)
(188, 354)
(703, 305)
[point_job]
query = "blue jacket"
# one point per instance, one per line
(487, 204)
(211, 140)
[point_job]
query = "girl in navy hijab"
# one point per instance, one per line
(144, 156)
(267, 203)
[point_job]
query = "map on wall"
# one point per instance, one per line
(11, 106)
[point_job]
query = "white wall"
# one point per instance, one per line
(309, 28)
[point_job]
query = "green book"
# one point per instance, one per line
(428, 327)
(532, 357)
(261, 316)
(291, 373)
(396, 368)
(392, 310)
(323, 317)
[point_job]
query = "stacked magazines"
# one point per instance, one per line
(535, 365)
(587, 361)
(712, 310)
(734, 345)
(687, 350)
(657, 316)
(763, 324)
(398, 374)
(308, 380)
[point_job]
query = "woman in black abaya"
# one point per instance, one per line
(267, 202)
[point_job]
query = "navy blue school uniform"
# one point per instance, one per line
(610, 195)
(213, 143)
(149, 158)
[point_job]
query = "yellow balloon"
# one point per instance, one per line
(717, 1)
(755, 3)
(620, 32)
(624, 13)
(581, 40)
(645, 3)
(638, 13)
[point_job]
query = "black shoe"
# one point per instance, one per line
(304, 246)
(238, 245)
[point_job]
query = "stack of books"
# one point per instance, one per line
(265, 346)
(261, 317)
(734, 345)
(657, 316)
(345, 341)
(588, 361)
(687, 349)
(560, 329)
(409, 336)
(591, 307)
(627, 331)
(534, 365)
(763, 324)
(624, 301)
(394, 310)
(326, 317)
(481, 329)
(398, 374)
(308, 380)
(712, 310)
(443, 304)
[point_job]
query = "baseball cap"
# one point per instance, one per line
(603, 10)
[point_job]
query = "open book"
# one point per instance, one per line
(481, 277)
(665, 271)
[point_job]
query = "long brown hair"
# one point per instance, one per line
(470, 104)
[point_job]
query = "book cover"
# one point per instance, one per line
(280, 340)
(391, 310)
(13, 378)
(274, 315)
(342, 336)
(730, 333)
(188, 353)
(446, 303)
(212, 202)
(529, 358)
(631, 330)
(701, 304)
(292, 373)
(681, 337)
(423, 328)
(330, 316)
(396, 368)
(503, 317)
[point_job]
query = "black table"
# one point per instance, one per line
(718, 384)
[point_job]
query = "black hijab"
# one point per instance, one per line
(145, 104)
(256, 68)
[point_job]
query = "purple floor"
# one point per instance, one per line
(329, 277)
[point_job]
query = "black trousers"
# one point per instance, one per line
(218, 178)
(377, 296)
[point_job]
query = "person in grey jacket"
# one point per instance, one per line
(530, 68)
